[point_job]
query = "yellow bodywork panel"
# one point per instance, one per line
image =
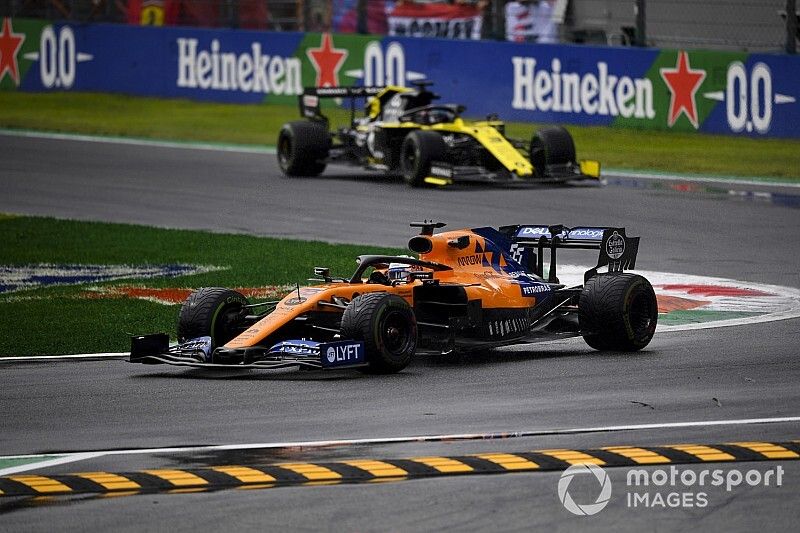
(590, 168)
(441, 182)
(495, 143)
(374, 104)
(485, 134)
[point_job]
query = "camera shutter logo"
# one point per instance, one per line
(587, 509)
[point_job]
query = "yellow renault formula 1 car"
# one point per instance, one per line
(468, 289)
(404, 132)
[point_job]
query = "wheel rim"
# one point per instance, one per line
(284, 151)
(538, 156)
(640, 315)
(225, 326)
(396, 333)
(409, 158)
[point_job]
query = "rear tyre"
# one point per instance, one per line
(618, 312)
(419, 149)
(212, 311)
(551, 146)
(387, 325)
(302, 148)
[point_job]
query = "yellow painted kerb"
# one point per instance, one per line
(638, 455)
(444, 464)
(311, 471)
(508, 461)
(110, 481)
(245, 474)
(179, 478)
(573, 457)
(377, 468)
(704, 453)
(41, 483)
(769, 450)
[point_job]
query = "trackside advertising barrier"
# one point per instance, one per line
(675, 90)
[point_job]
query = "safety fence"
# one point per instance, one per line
(735, 25)
(648, 88)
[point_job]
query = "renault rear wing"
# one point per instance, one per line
(617, 250)
(310, 99)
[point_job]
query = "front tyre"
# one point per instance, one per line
(388, 327)
(618, 312)
(212, 311)
(420, 148)
(551, 146)
(303, 147)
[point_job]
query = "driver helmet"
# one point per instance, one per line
(436, 116)
(399, 272)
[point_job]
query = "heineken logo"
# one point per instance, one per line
(594, 93)
(252, 71)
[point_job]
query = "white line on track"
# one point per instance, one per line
(64, 459)
(79, 356)
(243, 149)
(765, 181)
(252, 149)
(82, 456)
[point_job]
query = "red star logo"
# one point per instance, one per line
(10, 43)
(683, 83)
(327, 61)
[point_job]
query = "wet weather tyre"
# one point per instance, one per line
(419, 149)
(388, 327)
(302, 148)
(551, 146)
(618, 312)
(212, 311)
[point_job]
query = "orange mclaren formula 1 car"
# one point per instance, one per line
(469, 289)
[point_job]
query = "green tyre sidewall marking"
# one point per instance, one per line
(229, 300)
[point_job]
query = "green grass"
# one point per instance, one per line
(119, 115)
(60, 320)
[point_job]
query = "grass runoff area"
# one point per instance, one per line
(100, 316)
(93, 317)
(119, 115)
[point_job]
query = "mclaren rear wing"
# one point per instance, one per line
(310, 99)
(617, 250)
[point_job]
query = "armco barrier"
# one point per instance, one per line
(681, 90)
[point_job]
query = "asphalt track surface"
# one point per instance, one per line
(741, 372)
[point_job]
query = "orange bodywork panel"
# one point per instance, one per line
(293, 306)
(493, 287)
